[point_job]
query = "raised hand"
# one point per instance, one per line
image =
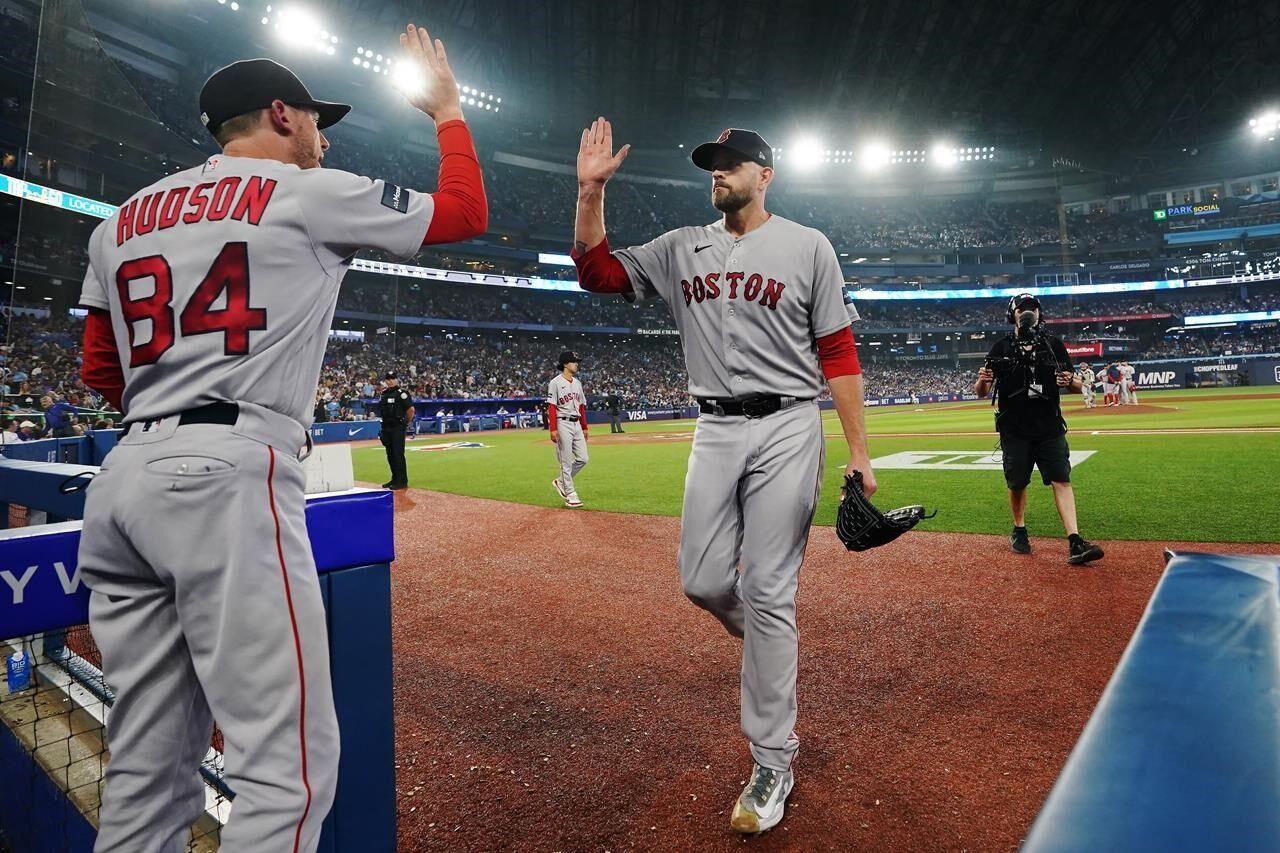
(438, 96)
(596, 160)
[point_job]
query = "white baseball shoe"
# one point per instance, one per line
(760, 806)
(555, 484)
(573, 500)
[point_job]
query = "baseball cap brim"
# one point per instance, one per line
(330, 113)
(704, 155)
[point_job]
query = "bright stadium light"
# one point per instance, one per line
(805, 154)
(875, 156)
(1265, 124)
(943, 154)
(408, 78)
(300, 27)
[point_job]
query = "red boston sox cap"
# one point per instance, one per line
(746, 144)
(252, 84)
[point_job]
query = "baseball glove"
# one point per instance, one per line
(861, 526)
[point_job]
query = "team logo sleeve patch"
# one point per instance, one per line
(395, 198)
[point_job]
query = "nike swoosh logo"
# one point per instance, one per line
(697, 249)
(352, 432)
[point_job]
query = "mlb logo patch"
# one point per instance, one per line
(395, 198)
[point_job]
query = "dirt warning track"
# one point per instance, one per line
(553, 698)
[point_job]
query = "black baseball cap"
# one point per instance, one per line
(389, 376)
(252, 84)
(746, 144)
(568, 356)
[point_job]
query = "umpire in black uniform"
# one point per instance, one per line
(396, 410)
(613, 404)
(1028, 367)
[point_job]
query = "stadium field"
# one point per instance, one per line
(1185, 465)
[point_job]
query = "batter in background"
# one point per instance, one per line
(567, 417)
(760, 306)
(204, 599)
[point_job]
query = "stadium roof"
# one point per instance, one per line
(1080, 73)
(1098, 81)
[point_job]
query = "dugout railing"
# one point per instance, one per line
(1182, 751)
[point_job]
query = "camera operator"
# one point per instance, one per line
(1028, 368)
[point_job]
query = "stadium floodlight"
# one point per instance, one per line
(298, 26)
(235, 7)
(943, 154)
(355, 60)
(805, 154)
(1265, 124)
(874, 156)
(408, 78)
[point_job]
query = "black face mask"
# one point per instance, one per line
(1026, 322)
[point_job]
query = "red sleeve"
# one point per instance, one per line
(551, 416)
(100, 369)
(838, 354)
(599, 271)
(461, 210)
(582, 415)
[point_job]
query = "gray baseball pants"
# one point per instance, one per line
(205, 605)
(571, 452)
(749, 499)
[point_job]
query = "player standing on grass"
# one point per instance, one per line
(759, 303)
(567, 417)
(1085, 373)
(211, 294)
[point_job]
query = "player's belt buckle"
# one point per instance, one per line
(759, 407)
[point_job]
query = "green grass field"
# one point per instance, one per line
(1160, 484)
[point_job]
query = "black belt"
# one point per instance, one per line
(214, 413)
(751, 407)
(571, 418)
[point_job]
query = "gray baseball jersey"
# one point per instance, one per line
(750, 310)
(567, 396)
(221, 282)
(222, 279)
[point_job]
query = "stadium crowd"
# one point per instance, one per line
(41, 360)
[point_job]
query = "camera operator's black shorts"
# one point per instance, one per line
(1051, 455)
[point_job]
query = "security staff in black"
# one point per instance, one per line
(396, 410)
(1027, 368)
(613, 404)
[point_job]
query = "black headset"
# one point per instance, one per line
(1013, 304)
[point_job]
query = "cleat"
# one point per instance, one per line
(1082, 552)
(573, 501)
(1019, 541)
(555, 484)
(761, 804)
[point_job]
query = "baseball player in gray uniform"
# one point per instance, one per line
(210, 296)
(567, 416)
(759, 304)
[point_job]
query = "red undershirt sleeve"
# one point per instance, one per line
(100, 368)
(461, 209)
(582, 416)
(838, 354)
(599, 271)
(552, 416)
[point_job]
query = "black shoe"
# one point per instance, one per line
(1019, 542)
(387, 484)
(1083, 552)
(396, 486)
